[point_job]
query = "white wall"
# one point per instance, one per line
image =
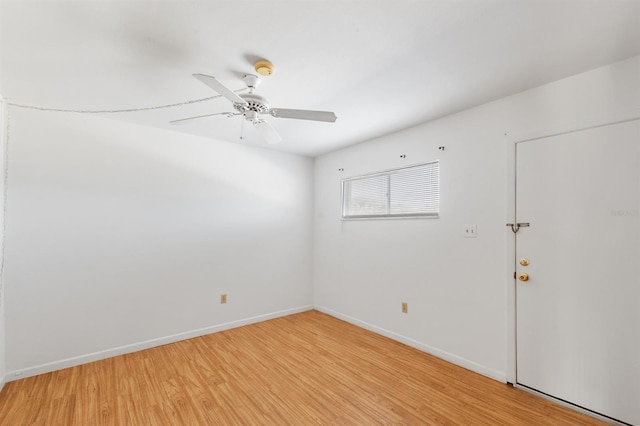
(122, 237)
(456, 287)
(3, 128)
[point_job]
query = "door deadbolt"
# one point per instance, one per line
(524, 261)
(523, 277)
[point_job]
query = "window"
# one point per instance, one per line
(408, 192)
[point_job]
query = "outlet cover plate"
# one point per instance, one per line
(471, 231)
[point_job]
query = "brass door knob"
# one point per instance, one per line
(524, 261)
(523, 277)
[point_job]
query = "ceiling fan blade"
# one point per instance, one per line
(267, 132)
(220, 88)
(302, 114)
(186, 120)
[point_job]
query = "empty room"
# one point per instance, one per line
(291, 212)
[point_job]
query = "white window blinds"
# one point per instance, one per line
(408, 192)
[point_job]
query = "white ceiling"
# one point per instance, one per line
(381, 65)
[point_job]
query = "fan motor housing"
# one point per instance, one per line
(254, 103)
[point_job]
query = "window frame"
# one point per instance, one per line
(387, 172)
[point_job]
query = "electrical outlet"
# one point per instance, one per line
(471, 231)
(223, 298)
(405, 307)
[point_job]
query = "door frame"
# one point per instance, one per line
(510, 262)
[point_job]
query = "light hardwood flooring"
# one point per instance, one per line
(302, 369)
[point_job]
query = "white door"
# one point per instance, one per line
(578, 315)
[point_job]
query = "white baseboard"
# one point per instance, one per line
(2, 382)
(147, 344)
(121, 350)
(449, 357)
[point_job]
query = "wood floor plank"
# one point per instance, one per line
(304, 369)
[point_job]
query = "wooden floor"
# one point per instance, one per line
(302, 369)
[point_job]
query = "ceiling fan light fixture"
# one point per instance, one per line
(264, 67)
(251, 105)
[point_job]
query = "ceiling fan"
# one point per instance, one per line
(251, 106)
